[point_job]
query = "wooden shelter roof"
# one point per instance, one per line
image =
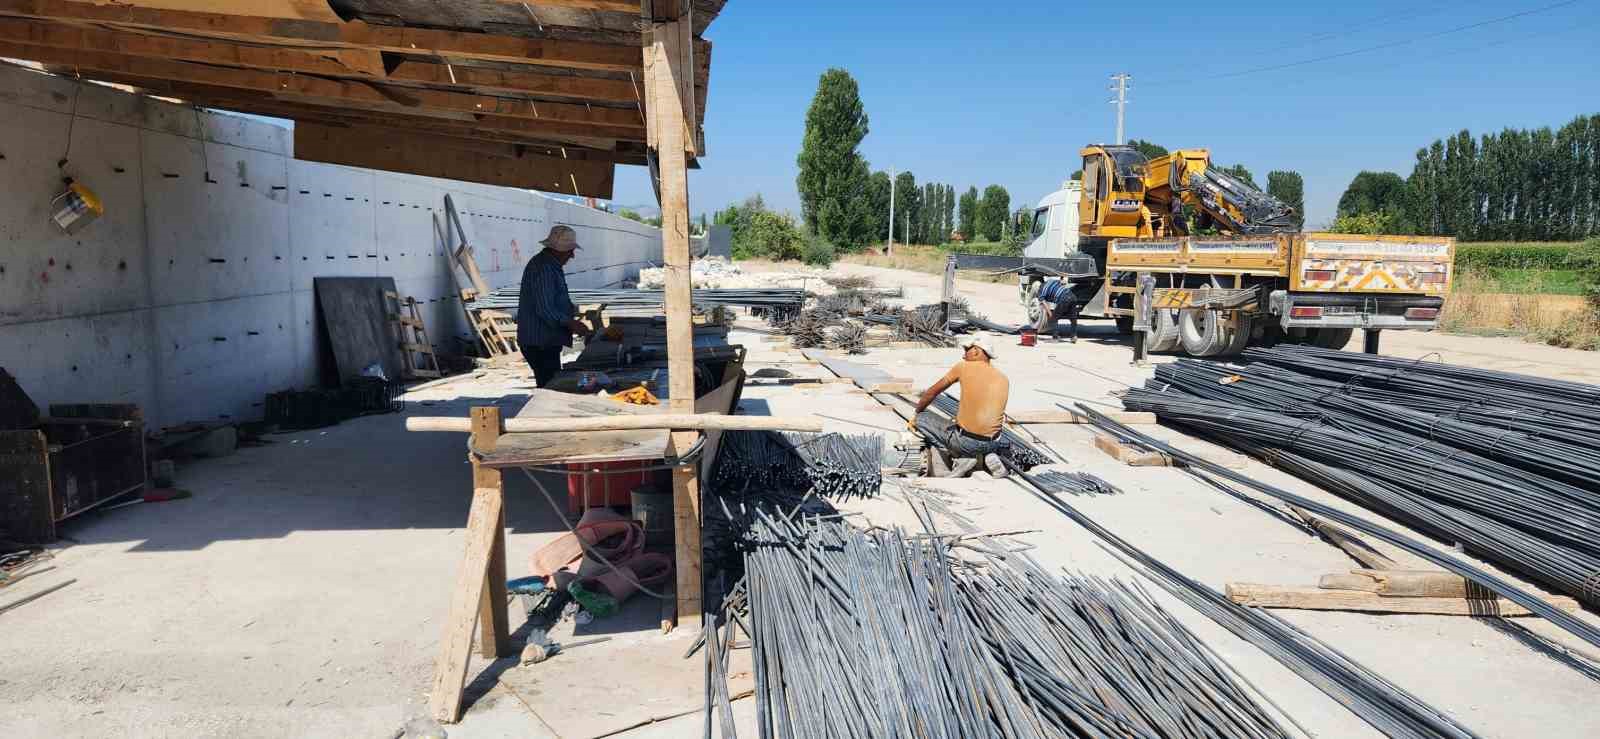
(545, 94)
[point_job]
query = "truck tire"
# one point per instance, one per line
(1243, 327)
(1204, 333)
(1164, 334)
(1329, 338)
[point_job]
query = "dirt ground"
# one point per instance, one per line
(301, 591)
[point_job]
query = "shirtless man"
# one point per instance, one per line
(974, 435)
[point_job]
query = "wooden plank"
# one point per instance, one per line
(367, 94)
(1068, 416)
(428, 155)
(1318, 599)
(631, 7)
(667, 108)
(355, 34)
(455, 647)
(494, 639)
(351, 310)
(1393, 583)
(334, 62)
(483, 79)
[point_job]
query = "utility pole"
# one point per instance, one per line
(1119, 85)
(890, 248)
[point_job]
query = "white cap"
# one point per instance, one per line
(971, 340)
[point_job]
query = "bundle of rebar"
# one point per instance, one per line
(831, 465)
(1382, 704)
(848, 337)
(1013, 447)
(806, 329)
(841, 466)
(1522, 501)
(880, 634)
(1075, 483)
(780, 299)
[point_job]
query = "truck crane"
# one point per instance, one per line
(1221, 264)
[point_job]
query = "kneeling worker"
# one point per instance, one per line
(974, 435)
(1056, 302)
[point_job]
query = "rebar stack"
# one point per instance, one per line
(1525, 502)
(841, 466)
(831, 465)
(849, 337)
(1075, 483)
(877, 634)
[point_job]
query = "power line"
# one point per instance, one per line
(1376, 47)
(1361, 25)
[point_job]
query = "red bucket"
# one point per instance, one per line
(1029, 337)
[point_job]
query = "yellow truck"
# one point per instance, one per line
(1201, 261)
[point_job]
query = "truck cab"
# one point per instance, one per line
(1055, 223)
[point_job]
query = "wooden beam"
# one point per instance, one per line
(489, 80)
(322, 34)
(1318, 599)
(1405, 583)
(678, 420)
(455, 647)
(1133, 456)
(345, 62)
(1349, 543)
(664, 71)
(494, 625)
(433, 156)
(630, 7)
(349, 92)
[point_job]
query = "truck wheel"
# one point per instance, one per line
(1243, 326)
(1030, 301)
(1329, 338)
(1164, 334)
(1204, 333)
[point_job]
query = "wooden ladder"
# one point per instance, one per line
(407, 321)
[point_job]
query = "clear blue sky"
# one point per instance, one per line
(978, 93)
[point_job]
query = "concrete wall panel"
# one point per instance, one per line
(194, 298)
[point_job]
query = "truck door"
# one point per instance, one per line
(1094, 189)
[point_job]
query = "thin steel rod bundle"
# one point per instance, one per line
(876, 634)
(1496, 584)
(832, 465)
(1522, 502)
(1385, 706)
(1075, 483)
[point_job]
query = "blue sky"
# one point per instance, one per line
(979, 93)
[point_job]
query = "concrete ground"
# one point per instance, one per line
(301, 591)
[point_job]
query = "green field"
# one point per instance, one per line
(1527, 267)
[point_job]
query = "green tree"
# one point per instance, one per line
(1368, 222)
(992, 210)
(1375, 192)
(969, 214)
(1148, 149)
(907, 206)
(1289, 187)
(631, 215)
(877, 198)
(948, 223)
(1019, 229)
(833, 176)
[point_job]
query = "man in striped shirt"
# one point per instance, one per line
(1055, 301)
(545, 313)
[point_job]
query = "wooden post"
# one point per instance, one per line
(480, 589)
(666, 76)
(947, 289)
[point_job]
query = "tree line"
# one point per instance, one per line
(847, 204)
(1515, 185)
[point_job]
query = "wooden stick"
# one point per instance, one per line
(1064, 416)
(631, 422)
(450, 671)
(1318, 599)
(1352, 545)
(494, 620)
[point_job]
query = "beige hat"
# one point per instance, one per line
(971, 340)
(562, 238)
